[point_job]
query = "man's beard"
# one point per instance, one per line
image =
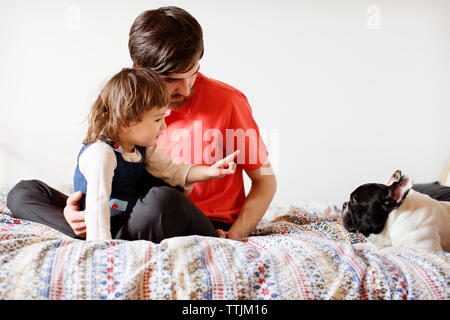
(179, 103)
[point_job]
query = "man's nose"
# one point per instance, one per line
(183, 87)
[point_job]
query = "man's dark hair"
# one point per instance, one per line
(166, 40)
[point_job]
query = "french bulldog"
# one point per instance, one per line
(394, 215)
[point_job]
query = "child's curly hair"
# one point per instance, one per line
(122, 101)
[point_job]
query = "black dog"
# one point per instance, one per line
(371, 203)
(394, 215)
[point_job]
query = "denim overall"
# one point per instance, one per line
(130, 181)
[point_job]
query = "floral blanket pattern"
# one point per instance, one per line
(297, 252)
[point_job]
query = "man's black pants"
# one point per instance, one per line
(163, 213)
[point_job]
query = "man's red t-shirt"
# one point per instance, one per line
(213, 123)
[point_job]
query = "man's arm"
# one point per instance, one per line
(262, 191)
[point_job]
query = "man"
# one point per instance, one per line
(208, 120)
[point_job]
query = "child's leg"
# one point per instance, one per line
(164, 213)
(35, 201)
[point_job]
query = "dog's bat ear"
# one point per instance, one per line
(399, 189)
(396, 176)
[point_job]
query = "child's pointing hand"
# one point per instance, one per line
(223, 167)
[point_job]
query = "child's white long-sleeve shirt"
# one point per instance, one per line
(98, 162)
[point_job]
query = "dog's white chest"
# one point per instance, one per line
(420, 222)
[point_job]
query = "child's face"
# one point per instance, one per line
(145, 132)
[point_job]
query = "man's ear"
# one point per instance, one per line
(399, 189)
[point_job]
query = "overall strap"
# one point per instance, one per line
(117, 148)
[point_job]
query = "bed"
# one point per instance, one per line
(298, 251)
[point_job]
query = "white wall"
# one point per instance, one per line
(347, 91)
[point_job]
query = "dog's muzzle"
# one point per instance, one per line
(347, 220)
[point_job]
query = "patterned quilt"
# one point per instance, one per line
(296, 252)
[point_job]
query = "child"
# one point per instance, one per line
(119, 166)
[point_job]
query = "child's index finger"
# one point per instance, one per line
(231, 156)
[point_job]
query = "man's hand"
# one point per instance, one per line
(74, 216)
(228, 235)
